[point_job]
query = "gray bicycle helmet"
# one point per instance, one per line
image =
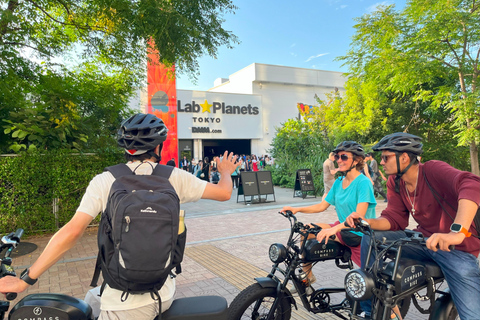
(350, 146)
(141, 133)
(400, 142)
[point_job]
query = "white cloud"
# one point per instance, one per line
(375, 6)
(293, 54)
(317, 56)
(293, 45)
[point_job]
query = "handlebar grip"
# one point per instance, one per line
(11, 296)
(18, 234)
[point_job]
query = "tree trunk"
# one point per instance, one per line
(474, 158)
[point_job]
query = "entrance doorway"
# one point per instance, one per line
(214, 148)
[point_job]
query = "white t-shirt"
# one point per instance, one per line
(94, 201)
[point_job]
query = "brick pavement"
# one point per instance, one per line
(243, 231)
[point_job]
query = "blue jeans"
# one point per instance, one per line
(461, 270)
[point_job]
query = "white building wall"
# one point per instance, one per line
(239, 82)
(281, 89)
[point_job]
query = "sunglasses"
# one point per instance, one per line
(344, 157)
(385, 157)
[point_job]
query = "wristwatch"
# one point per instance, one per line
(24, 276)
(455, 227)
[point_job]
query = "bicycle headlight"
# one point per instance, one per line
(277, 252)
(359, 285)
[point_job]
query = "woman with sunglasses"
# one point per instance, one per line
(352, 192)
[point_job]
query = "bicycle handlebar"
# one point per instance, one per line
(12, 240)
(18, 234)
(311, 228)
(9, 241)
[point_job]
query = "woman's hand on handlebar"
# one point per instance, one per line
(325, 234)
(287, 208)
(442, 241)
(12, 284)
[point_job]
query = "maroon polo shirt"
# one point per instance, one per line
(451, 184)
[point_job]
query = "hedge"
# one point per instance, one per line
(29, 183)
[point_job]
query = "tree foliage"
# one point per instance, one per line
(69, 68)
(299, 144)
(429, 52)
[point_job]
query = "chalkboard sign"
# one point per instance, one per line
(265, 185)
(303, 183)
(249, 183)
(254, 185)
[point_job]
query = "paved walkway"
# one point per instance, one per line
(227, 246)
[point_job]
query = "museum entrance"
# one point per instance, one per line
(215, 148)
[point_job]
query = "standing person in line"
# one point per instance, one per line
(235, 176)
(205, 175)
(254, 163)
(242, 167)
(352, 192)
(214, 176)
(377, 184)
(248, 164)
(197, 170)
(184, 163)
(142, 137)
(445, 219)
(192, 165)
(329, 171)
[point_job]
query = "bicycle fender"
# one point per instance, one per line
(266, 282)
(442, 308)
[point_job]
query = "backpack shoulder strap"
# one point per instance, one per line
(120, 170)
(163, 171)
(476, 219)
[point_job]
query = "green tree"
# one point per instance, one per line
(68, 68)
(430, 51)
(53, 110)
(299, 144)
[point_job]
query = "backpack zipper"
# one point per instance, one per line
(127, 220)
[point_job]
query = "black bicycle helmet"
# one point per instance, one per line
(141, 133)
(350, 146)
(400, 142)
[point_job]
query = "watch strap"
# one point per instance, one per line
(465, 232)
(462, 230)
(24, 276)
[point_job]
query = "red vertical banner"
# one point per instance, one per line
(162, 102)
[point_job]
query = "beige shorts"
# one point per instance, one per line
(147, 312)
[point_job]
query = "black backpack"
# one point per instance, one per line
(138, 238)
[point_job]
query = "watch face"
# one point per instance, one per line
(456, 227)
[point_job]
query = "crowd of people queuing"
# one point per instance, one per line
(206, 169)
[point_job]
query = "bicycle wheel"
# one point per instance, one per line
(444, 308)
(255, 302)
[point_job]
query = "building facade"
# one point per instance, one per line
(241, 113)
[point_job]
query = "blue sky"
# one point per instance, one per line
(303, 34)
